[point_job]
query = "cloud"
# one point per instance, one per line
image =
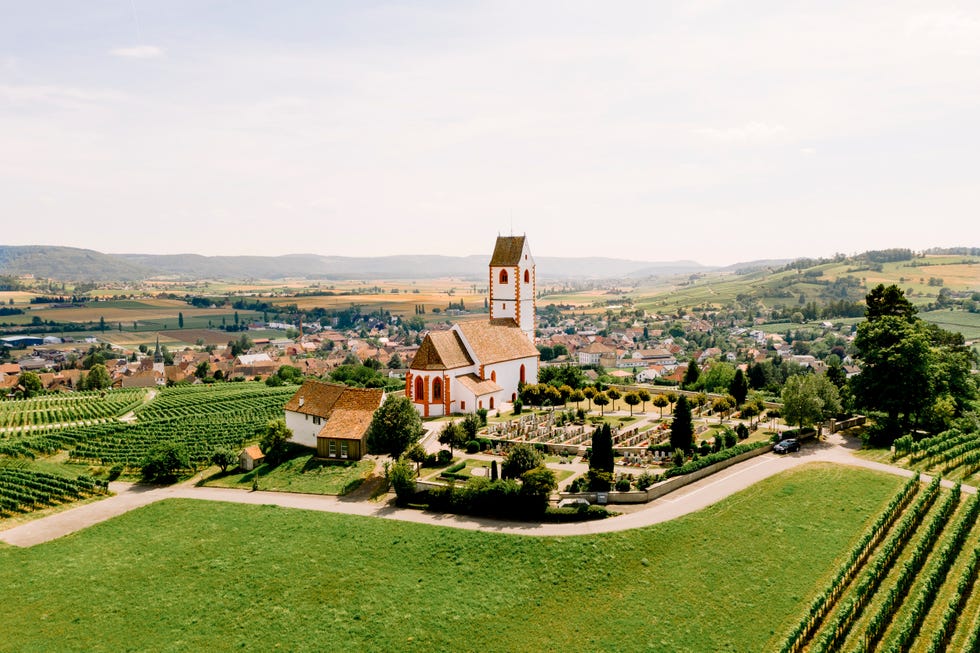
(138, 52)
(750, 132)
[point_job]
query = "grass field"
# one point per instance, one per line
(185, 575)
(301, 474)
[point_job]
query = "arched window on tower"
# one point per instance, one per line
(503, 276)
(437, 390)
(527, 276)
(419, 388)
(523, 375)
(493, 376)
(491, 403)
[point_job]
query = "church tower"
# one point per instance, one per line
(513, 287)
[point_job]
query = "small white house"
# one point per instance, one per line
(250, 457)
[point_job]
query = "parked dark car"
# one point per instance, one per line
(786, 446)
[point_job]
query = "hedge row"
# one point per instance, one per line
(836, 632)
(803, 631)
(937, 575)
(711, 459)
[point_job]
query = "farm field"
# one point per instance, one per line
(171, 577)
(952, 454)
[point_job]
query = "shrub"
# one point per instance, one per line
(599, 481)
(445, 456)
(583, 513)
(730, 438)
(742, 431)
(164, 461)
(116, 471)
(623, 484)
(472, 446)
(456, 467)
(485, 443)
(518, 406)
(644, 481)
(482, 414)
(678, 457)
(401, 475)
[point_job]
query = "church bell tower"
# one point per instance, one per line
(513, 287)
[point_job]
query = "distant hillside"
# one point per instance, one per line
(68, 264)
(71, 264)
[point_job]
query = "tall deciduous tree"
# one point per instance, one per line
(452, 435)
(632, 399)
(98, 378)
(660, 402)
(273, 443)
(521, 458)
(395, 426)
(682, 426)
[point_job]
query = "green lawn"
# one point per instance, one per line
(301, 474)
(186, 575)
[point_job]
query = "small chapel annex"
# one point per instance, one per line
(480, 364)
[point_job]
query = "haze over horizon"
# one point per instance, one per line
(705, 131)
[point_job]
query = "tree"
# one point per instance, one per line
(721, 405)
(520, 458)
(577, 396)
(882, 301)
(682, 426)
(452, 435)
(416, 453)
(494, 474)
(180, 324)
(801, 405)
(613, 394)
(394, 427)
(537, 485)
(223, 457)
(590, 393)
(164, 461)
(395, 362)
(632, 399)
(204, 367)
(98, 378)
(31, 384)
(660, 402)
(273, 442)
(739, 387)
(691, 375)
(102, 324)
(471, 426)
(644, 396)
(602, 449)
(672, 398)
(601, 400)
(402, 479)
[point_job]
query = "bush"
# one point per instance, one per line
(472, 446)
(623, 484)
(599, 481)
(116, 471)
(518, 406)
(583, 513)
(164, 461)
(644, 481)
(401, 475)
(678, 457)
(445, 456)
(456, 467)
(742, 431)
(482, 414)
(485, 443)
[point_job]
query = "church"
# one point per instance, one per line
(480, 363)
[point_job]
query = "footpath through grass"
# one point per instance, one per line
(190, 575)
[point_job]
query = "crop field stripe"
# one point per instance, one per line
(877, 569)
(909, 630)
(825, 600)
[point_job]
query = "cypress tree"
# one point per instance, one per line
(682, 428)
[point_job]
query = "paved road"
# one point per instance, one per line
(689, 499)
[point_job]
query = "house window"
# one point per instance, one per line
(462, 405)
(527, 276)
(503, 276)
(317, 419)
(332, 449)
(343, 449)
(437, 390)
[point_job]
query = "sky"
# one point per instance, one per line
(706, 130)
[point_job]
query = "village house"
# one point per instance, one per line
(332, 418)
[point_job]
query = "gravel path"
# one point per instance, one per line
(689, 499)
